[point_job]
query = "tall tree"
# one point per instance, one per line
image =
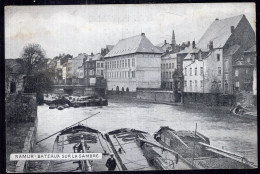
(33, 56)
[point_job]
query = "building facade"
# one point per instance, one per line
(208, 68)
(133, 63)
(94, 69)
(168, 66)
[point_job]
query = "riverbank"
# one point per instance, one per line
(16, 134)
(21, 127)
(225, 109)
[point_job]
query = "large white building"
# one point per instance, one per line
(133, 63)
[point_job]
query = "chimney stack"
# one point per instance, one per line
(232, 28)
(210, 45)
(92, 54)
(165, 42)
(193, 44)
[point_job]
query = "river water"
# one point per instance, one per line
(224, 130)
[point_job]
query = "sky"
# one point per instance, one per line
(88, 28)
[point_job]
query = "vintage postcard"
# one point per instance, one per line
(130, 87)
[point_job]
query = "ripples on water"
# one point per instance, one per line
(225, 131)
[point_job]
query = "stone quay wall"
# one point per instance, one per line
(22, 109)
(29, 143)
(156, 96)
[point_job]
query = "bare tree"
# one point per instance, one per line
(33, 56)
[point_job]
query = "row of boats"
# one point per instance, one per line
(135, 150)
(65, 101)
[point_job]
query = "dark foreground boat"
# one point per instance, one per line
(197, 150)
(78, 139)
(137, 150)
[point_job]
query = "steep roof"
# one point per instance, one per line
(186, 50)
(159, 48)
(231, 50)
(250, 50)
(219, 32)
(135, 44)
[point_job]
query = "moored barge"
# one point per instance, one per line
(137, 150)
(80, 139)
(196, 149)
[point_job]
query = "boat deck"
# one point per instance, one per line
(95, 143)
(132, 156)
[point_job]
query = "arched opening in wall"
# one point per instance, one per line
(123, 90)
(12, 87)
(127, 90)
(117, 89)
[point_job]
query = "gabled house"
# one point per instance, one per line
(164, 47)
(133, 63)
(208, 67)
(95, 69)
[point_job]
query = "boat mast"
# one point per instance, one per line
(193, 155)
(66, 128)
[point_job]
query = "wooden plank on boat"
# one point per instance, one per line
(178, 138)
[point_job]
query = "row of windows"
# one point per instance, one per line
(100, 65)
(167, 66)
(123, 74)
(201, 71)
(100, 72)
(120, 63)
(196, 83)
(195, 71)
(166, 75)
(237, 72)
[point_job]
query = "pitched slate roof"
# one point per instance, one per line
(231, 50)
(159, 48)
(252, 49)
(135, 44)
(186, 50)
(219, 32)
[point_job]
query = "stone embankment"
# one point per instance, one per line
(21, 128)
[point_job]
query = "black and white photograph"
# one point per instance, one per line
(130, 87)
